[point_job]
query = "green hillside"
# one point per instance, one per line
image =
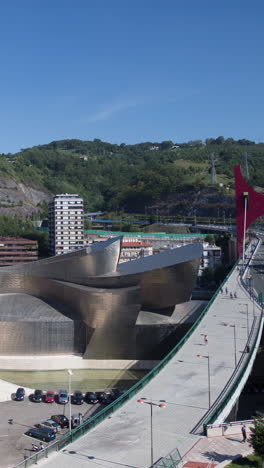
(132, 177)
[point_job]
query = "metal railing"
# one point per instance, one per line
(235, 379)
(109, 409)
(172, 460)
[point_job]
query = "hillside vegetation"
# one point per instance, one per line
(134, 178)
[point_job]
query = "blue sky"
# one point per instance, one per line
(130, 70)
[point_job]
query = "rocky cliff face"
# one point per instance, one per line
(20, 199)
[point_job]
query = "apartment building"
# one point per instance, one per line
(66, 224)
(15, 250)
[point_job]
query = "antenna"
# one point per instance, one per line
(246, 165)
(213, 172)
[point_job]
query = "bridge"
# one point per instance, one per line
(198, 383)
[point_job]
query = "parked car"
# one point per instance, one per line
(77, 398)
(91, 398)
(50, 424)
(20, 394)
(76, 419)
(63, 397)
(60, 419)
(103, 397)
(37, 396)
(38, 433)
(45, 429)
(116, 393)
(50, 397)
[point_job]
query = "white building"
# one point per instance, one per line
(66, 225)
(212, 256)
(133, 250)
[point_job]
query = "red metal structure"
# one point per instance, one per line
(254, 204)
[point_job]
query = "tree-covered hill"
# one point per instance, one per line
(135, 177)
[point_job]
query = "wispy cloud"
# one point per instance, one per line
(112, 109)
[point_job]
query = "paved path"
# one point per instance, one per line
(218, 450)
(124, 438)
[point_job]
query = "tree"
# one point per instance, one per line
(220, 140)
(166, 145)
(257, 438)
(210, 238)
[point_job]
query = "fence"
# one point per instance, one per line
(238, 374)
(109, 409)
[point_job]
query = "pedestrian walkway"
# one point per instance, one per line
(217, 450)
(124, 438)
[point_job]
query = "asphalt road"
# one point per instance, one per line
(14, 445)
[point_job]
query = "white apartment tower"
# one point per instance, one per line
(66, 229)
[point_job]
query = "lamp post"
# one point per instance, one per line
(206, 356)
(162, 404)
(247, 318)
(70, 373)
(235, 346)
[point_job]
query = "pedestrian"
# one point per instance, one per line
(244, 433)
(231, 295)
(235, 295)
(205, 339)
(226, 290)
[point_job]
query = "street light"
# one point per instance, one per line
(70, 373)
(162, 404)
(206, 356)
(235, 347)
(247, 318)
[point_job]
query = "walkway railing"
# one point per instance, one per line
(235, 379)
(238, 374)
(109, 409)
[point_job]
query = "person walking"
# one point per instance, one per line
(235, 295)
(205, 339)
(244, 433)
(231, 295)
(226, 290)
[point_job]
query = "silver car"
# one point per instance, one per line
(51, 425)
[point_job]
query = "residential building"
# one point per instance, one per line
(134, 250)
(212, 256)
(66, 224)
(15, 250)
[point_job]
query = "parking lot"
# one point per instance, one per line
(14, 445)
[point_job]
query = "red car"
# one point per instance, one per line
(50, 397)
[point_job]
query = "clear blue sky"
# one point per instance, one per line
(130, 70)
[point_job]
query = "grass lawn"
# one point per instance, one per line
(251, 461)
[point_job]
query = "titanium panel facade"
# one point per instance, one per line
(100, 300)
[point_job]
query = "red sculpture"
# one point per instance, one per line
(254, 203)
